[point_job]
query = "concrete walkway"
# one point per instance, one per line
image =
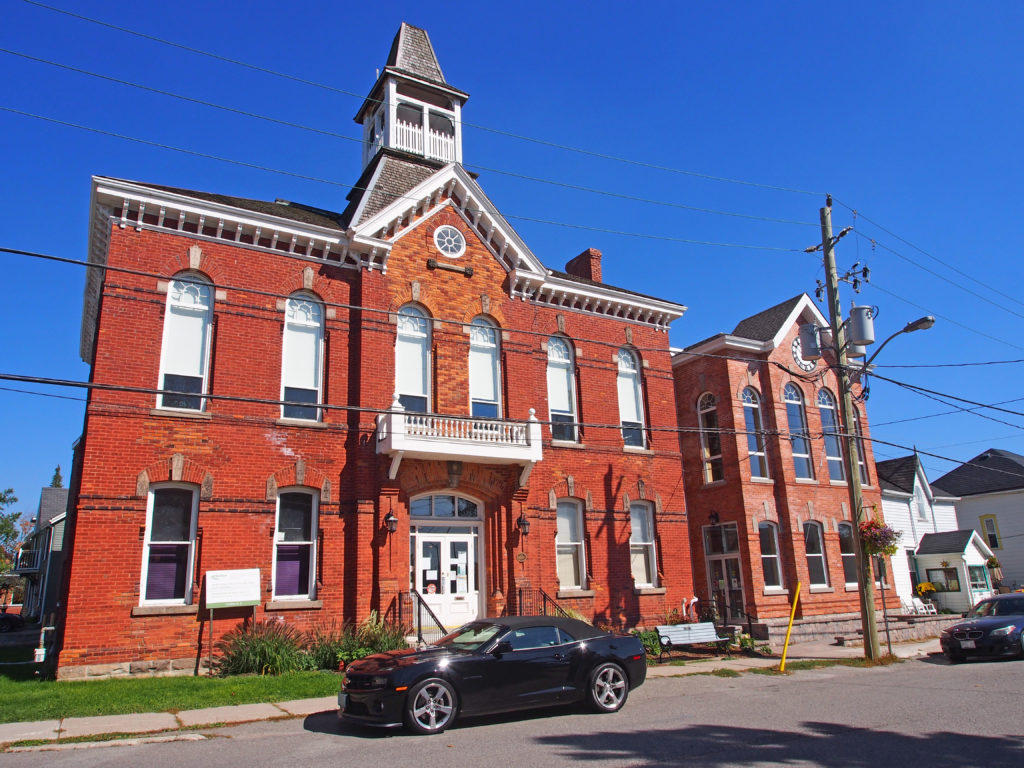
(160, 726)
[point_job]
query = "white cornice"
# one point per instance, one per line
(804, 306)
(721, 342)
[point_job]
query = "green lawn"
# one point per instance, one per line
(30, 699)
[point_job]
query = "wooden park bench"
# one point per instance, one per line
(678, 635)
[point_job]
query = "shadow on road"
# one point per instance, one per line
(837, 746)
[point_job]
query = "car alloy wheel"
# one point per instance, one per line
(430, 707)
(608, 688)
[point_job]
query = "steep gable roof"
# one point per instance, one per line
(945, 543)
(897, 474)
(389, 177)
(765, 324)
(989, 472)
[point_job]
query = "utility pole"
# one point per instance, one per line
(865, 579)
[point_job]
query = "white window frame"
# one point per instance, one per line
(628, 389)
(793, 396)
(985, 520)
(642, 550)
(850, 556)
(573, 547)
(485, 339)
(147, 541)
(772, 556)
(814, 524)
(753, 421)
(416, 316)
(562, 366)
(314, 526)
(832, 436)
(294, 302)
(179, 286)
(713, 468)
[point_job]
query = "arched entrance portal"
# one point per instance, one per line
(446, 555)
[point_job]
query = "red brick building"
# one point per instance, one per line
(361, 405)
(766, 486)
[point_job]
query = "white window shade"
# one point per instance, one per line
(559, 388)
(629, 398)
(483, 369)
(640, 524)
(302, 357)
(568, 524)
(411, 366)
(185, 339)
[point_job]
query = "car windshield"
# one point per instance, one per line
(471, 637)
(1013, 607)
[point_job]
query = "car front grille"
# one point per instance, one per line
(360, 683)
(968, 634)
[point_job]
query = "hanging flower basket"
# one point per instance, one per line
(878, 538)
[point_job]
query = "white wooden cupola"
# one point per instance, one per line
(411, 108)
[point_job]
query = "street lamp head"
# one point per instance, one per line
(921, 324)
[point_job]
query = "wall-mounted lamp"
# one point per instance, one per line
(454, 473)
(713, 518)
(523, 524)
(391, 522)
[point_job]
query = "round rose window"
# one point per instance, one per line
(449, 241)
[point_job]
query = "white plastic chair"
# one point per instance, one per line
(922, 607)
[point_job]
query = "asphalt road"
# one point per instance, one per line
(922, 712)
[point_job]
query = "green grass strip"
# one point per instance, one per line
(27, 700)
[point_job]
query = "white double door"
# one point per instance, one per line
(446, 571)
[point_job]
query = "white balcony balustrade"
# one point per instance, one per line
(28, 560)
(412, 137)
(458, 438)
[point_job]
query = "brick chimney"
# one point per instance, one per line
(586, 265)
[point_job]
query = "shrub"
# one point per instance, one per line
(263, 648)
(323, 645)
(650, 639)
(572, 613)
(373, 635)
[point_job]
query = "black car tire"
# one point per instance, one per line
(431, 706)
(608, 688)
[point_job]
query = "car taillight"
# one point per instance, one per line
(637, 657)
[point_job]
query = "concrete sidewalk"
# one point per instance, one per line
(159, 726)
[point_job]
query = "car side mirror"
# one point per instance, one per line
(502, 647)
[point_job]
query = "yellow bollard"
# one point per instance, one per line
(792, 614)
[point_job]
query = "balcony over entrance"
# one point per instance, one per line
(432, 436)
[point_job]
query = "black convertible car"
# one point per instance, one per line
(493, 665)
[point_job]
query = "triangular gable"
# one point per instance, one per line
(452, 186)
(805, 310)
(979, 544)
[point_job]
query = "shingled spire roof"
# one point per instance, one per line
(412, 52)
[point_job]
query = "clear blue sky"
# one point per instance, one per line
(909, 113)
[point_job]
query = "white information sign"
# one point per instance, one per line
(230, 589)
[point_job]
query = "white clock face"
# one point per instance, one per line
(798, 358)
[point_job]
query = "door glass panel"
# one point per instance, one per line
(458, 567)
(444, 506)
(430, 567)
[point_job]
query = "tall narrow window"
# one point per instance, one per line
(848, 549)
(302, 357)
(799, 439)
(561, 392)
(754, 427)
(862, 464)
(185, 349)
(832, 434)
(630, 403)
(412, 360)
(991, 531)
(569, 546)
(814, 544)
(642, 561)
(484, 370)
(770, 566)
(295, 545)
(169, 545)
(710, 438)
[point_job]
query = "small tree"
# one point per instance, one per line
(10, 534)
(58, 479)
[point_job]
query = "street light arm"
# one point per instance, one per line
(921, 324)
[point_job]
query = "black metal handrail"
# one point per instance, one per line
(419, 608)
(533, 602)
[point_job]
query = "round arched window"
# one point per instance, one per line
(449, 241)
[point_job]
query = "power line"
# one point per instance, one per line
(306, 177)
(958, 410)
(943, 394)
(951, 365)
(542, 142)
(336, 135)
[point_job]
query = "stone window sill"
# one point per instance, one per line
(567, 594)
(837, 482)
(714, 483)
(649, 590)
(805, 480)
(300, 423)
(851, 587)
(821, 590)
(769, 591)
(165, 610)
(764, 480)
(568, 444)
(293, 605)
(179, 414)
(637, 450)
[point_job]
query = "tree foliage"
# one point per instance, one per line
(10, 533)
(58, 479)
